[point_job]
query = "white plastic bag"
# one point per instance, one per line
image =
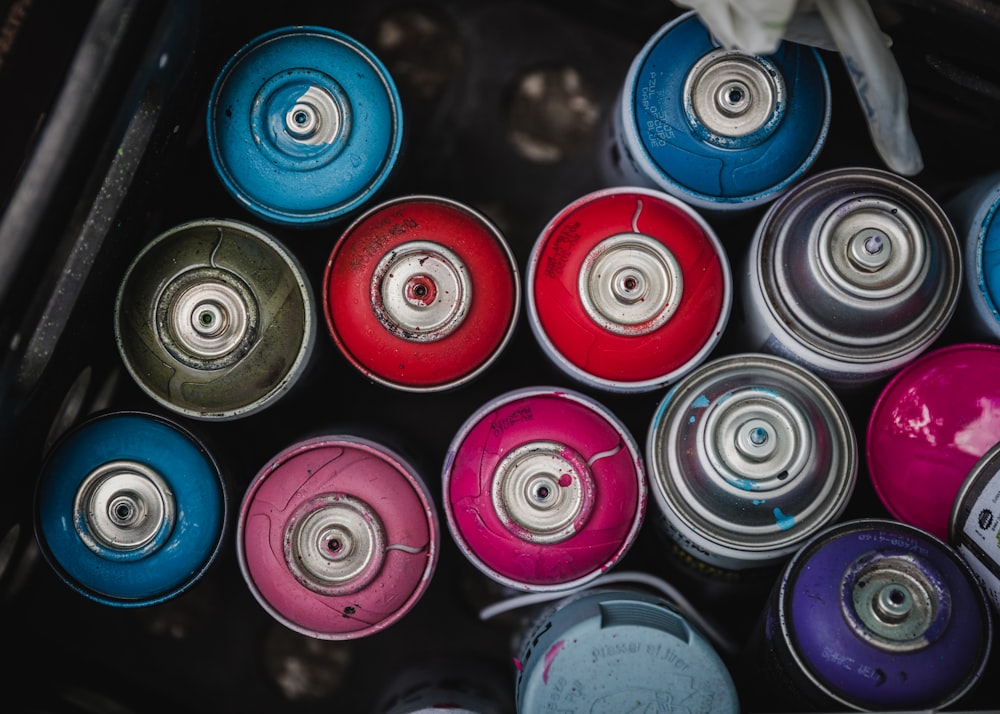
(845, 26)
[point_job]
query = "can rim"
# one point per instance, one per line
(501, 242)
(294, 371)
(643, 385)
(589, 403)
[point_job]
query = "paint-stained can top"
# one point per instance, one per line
(749, 456)
(929, 427)
(617, 651)
(304, 125)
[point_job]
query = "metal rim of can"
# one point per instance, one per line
(306, 607)
(487, 551)
(384, 342)
(976, 213)
(296, 120)
(142, 327)
(638, 630)
(742, 395)
(155, 568)
(866, 354)
(895, 537)
(979, 548)
(984, 470)
(717, 146)
(910, 386)
(567, 329)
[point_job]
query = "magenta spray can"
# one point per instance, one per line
(928, 428)
(338, 537)
(543, 489)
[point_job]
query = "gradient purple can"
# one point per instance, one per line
(338, 537)
(874, 614)
(929, 426)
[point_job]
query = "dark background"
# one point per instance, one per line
(131, 161)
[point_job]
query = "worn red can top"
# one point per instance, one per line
(930, 425)
(421, 293)
(628, 289)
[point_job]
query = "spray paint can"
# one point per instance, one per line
(215, 320)
(974, 213)
(628, 289)
(975, 523)
(456, 684)
(749, 456)
(873, 614)
(612, 651)
(130, 509)
(304, 125)
(852, 273)
(720, 129)
(543, 489)
(929, 426)
(337, 537)
(421, 293)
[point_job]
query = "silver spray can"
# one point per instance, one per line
(853, 273)
(749, 456)
(975, 523)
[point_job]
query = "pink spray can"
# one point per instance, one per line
(929, 426)
(337, 537)
(543, 489)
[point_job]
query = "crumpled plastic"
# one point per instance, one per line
(848, 27)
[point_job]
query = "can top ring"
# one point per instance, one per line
(749, 455)
(304, 125)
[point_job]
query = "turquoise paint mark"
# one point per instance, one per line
(784, 522)
(700, 403)
(691, 419)
(746, 484)
(759, 502)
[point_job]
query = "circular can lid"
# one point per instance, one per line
(628, 289)
(129, 460)
(749, 456)
(543, 489)
(929, 426)
(337, 537)
(988, 254)
(694, 113)
(304, 125)
(421, 293)
(613, 651)
(885, 615)
(215, 319)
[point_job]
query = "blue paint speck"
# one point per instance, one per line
(691, 419)
(700, 403)
(784, 522)
(747, 484)
(759, 502)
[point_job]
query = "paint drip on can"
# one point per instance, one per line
(215, 320)
(337, 537)
(628, 289)
(749, 456)
(421, 293)
(543, 489)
